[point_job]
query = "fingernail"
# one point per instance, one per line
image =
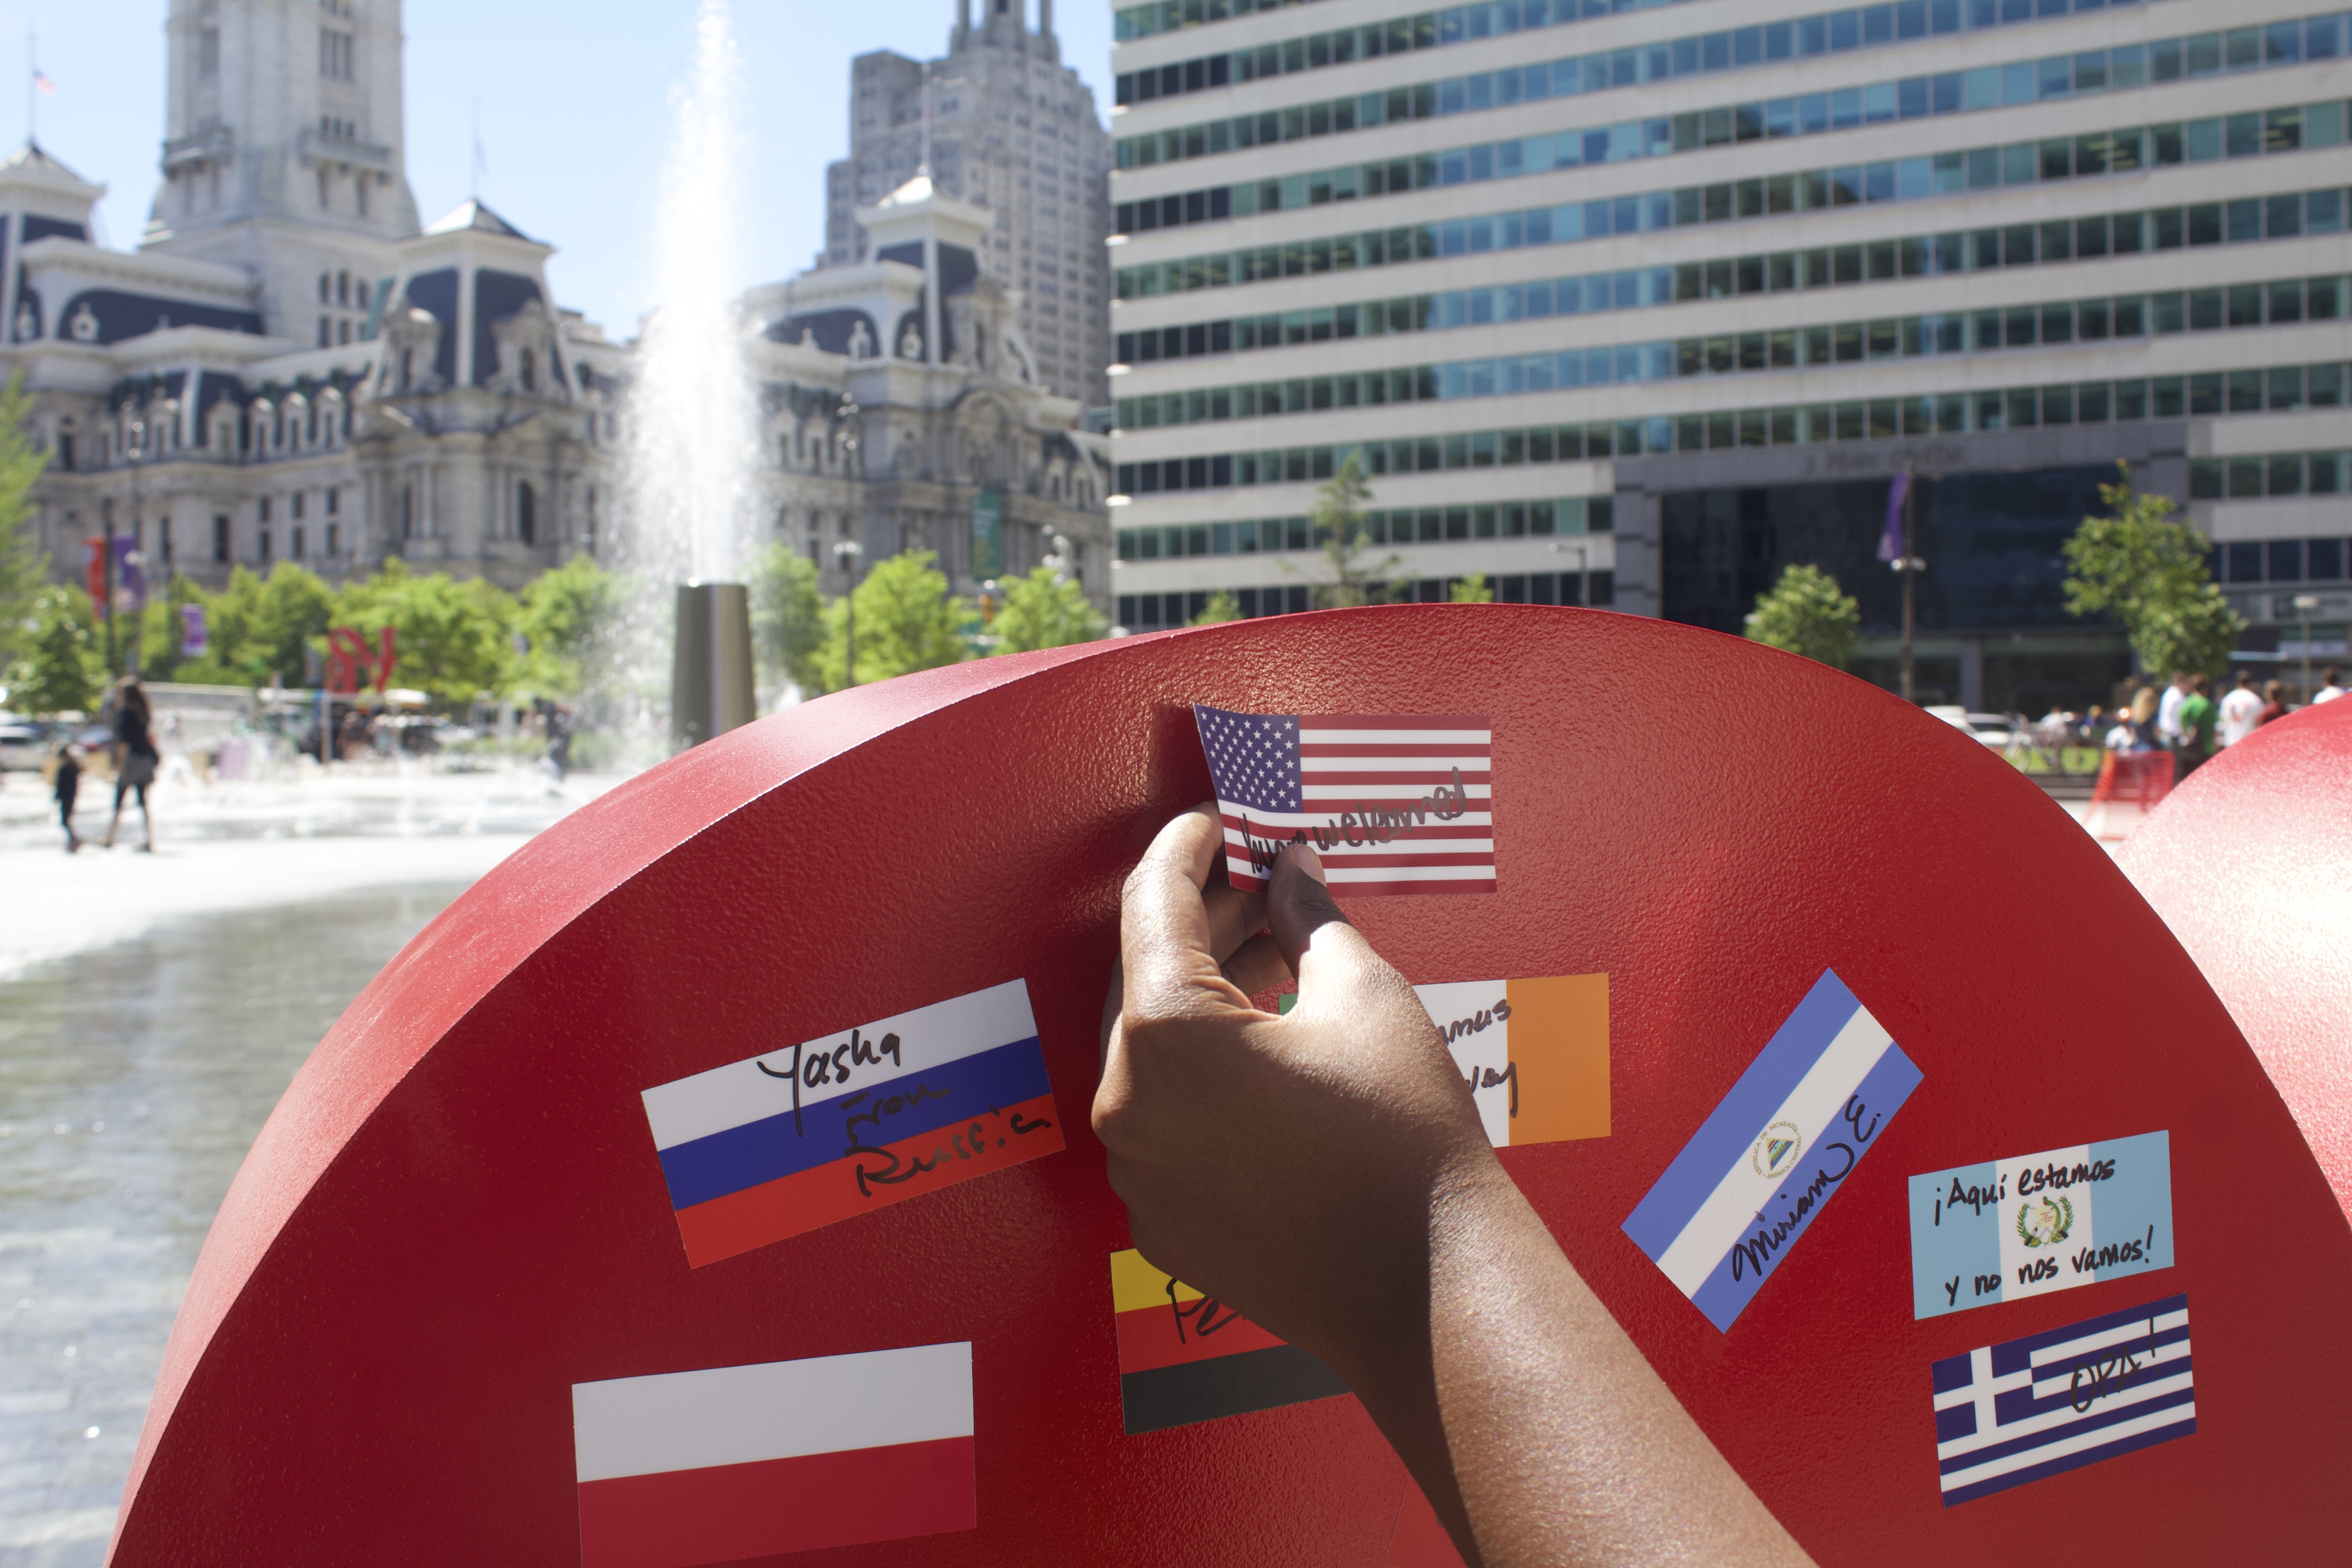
(1311, 863)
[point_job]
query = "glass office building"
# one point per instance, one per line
(1634, 304)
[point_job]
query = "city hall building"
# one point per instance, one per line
(1633, 306)
(292, 368)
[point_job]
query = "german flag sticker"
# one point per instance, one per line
(1184, 1357)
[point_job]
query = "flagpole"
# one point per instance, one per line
(1911, 564)
(32, 86)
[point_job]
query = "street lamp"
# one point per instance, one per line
(2304, 605)
(847, 553)
(1583, 576)
(1910, 565)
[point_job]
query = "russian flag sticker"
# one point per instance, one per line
(727, 1462)
(831, 1128)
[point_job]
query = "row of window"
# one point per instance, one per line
(2285, 560)
(2276, 474)
(1158, 612)
(2286, 216)
(2125, 151)
(2284, 130)
(1276, 535)
(2273, 388)
(2284, 301)
(1830, 32)
(1499, 17)
(1912, 98)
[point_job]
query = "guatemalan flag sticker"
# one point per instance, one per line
(1780, 1145)
(811, 1134)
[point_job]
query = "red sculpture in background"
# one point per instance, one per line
(350, 662)
(446, 1311)
(2250, 863)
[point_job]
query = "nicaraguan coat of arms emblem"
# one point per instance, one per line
(2045, 1221)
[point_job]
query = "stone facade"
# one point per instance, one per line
(1012, 130)
(291, 368)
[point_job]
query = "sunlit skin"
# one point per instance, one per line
(1325, 1172)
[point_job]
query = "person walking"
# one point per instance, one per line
(134, 759)
(2273, 702)
(2331, 686)
(2145, 737)
(2167, 711)
(2197, 720)
(66, 784)
(2242, 710)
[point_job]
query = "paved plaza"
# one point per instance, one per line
(153, 1008)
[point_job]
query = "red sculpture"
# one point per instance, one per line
(456, 1217)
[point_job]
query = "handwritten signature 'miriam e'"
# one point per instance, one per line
(1365, 825)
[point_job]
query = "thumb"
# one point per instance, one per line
(1298, 906)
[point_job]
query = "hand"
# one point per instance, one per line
(1324, 1174)
(1285, 1165)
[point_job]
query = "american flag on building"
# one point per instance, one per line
(1393, 803)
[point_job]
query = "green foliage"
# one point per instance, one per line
(24, 565)
(1221, 607)
(1041, 610)
(2147, 569)
(259, 627)
(905, 622)
(1471, 590)
(570, 619)
(160, 631)
(787, 617)
(61, 658)
(1807, 613)
(452, 639)
(1339, 528)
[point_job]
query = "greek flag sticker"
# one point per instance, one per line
(1780, 1145)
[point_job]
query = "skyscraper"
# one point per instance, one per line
(1013, 129)
(1643, 303)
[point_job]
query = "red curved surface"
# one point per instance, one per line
(455, 1214)
(2250, 863)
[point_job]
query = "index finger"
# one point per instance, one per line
(1165, 946)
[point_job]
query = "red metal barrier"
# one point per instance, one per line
(457, 1214)
(2250, 863)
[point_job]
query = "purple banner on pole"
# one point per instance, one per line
(1890, 537)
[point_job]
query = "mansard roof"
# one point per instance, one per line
(472, 214)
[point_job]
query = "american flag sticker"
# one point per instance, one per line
(1393, 803)
(2018, 1411)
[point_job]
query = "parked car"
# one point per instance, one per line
(23, 742)
(1997, 730)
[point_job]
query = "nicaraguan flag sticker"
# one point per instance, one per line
(1778, 1146)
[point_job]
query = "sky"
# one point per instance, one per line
(575, 111)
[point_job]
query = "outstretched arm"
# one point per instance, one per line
(1326, 1174)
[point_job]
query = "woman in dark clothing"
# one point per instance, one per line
(134, 760)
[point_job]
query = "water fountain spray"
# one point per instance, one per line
(694, 429)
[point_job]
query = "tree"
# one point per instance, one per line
(787, 617)
(569, 621)
(60, 665)
(1339, 528)
(905, 622)
(453, 640)
(2147, 570)
(24, 564)
(1471, 590)
(1221, 607)
(260, 626)
(1807, 613)
(1044, 609)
